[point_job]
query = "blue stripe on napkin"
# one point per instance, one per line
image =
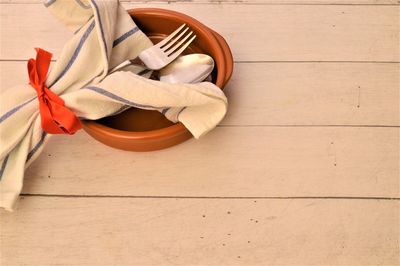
(37, 146)
(120, 99)
(79, 2)
(3, 166)
(15, 109)
(101, 25)
(76, 52)
(49, 3)
(124, 36)
(177, 116)
(164, 111)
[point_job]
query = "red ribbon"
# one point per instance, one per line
(56, 118)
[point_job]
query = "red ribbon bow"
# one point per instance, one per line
(56, 118)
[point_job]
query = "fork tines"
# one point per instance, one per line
(177, 41)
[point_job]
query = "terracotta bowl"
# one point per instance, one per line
(145, 130)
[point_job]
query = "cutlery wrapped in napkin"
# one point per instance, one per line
(105, 35)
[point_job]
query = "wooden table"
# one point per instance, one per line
(304, 170)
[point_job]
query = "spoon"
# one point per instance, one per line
(192, 68)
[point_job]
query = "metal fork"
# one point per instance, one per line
(164, 52)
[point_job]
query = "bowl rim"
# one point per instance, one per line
(94, 127)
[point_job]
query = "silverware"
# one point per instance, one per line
(164, 52)
(192, 68)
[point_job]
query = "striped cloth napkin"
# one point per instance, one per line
(105, 36)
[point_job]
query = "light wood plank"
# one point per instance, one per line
(109, 231)
(314, 94)
(258, 2)
(272, 32)
(228, 162)
(290, 93)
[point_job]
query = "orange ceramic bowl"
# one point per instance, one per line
(146, 130)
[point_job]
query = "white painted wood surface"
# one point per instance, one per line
(126, 231)
(269, 33)
(304, 170)
(229, 162)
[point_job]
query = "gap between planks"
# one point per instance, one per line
(206, 197)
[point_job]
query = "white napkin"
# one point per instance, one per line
(105, 36)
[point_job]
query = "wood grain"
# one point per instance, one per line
(228, 162)
(289, 32)
(289, 93)
(109, 231)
